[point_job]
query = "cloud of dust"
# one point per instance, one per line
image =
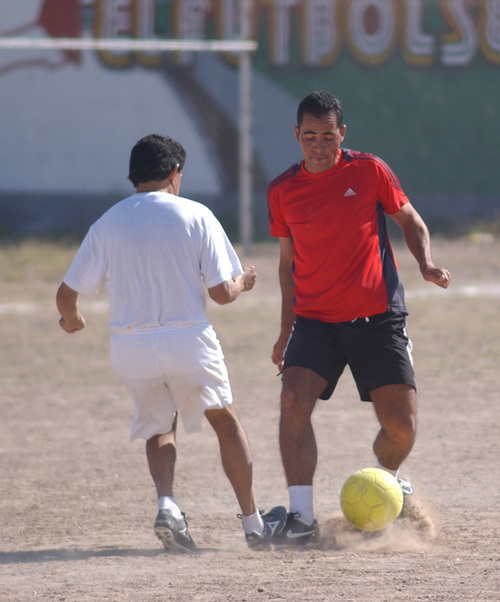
(413, 531)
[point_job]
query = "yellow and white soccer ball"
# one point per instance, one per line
(371, 499)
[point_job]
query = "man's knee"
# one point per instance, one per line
(395, 406)
(295, 407)
(401, 427)
(288, 401)
(400, 424)
(223, 420)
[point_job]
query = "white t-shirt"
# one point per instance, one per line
(157, 253)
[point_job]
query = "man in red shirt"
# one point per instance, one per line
(342, 298)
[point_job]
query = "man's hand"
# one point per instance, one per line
(248, 278)
(279, 352)
(439, 276)
(74, 325)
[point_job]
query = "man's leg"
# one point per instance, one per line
(260, 531)
(161, 454)
(301, 389)
(170, 524)
(235, 455)
(396, 409)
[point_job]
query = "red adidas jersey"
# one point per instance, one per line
(344, 267)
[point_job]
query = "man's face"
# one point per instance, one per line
(320, 139)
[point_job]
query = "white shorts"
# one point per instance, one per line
(166, 371)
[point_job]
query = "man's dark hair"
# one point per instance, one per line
(319, 104)
(154, 157)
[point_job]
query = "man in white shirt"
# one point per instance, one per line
(158, 254)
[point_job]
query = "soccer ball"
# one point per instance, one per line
(371, 499)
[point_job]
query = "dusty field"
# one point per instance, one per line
(77, 503)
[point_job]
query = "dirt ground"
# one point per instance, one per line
(77, 503)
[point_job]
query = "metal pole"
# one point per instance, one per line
(244, 46)
(13, 43)
(245, 137)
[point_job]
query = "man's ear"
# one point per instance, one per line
(173, 173)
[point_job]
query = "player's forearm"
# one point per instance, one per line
(287, 321)
(287, 296)
(226, 292)
(416, 235)
(67, 302)
(418, 242)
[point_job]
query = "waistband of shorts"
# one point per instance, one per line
(160, 330)
(375, 318)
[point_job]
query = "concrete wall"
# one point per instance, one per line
(419, 81)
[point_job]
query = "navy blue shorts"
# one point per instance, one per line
(377, 350)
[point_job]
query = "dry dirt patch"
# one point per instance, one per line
(77, 504)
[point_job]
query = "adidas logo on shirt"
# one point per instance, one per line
(349, 192)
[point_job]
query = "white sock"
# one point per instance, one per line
(393, 472)
(301, 501)
(167, 502)
(253, 523)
